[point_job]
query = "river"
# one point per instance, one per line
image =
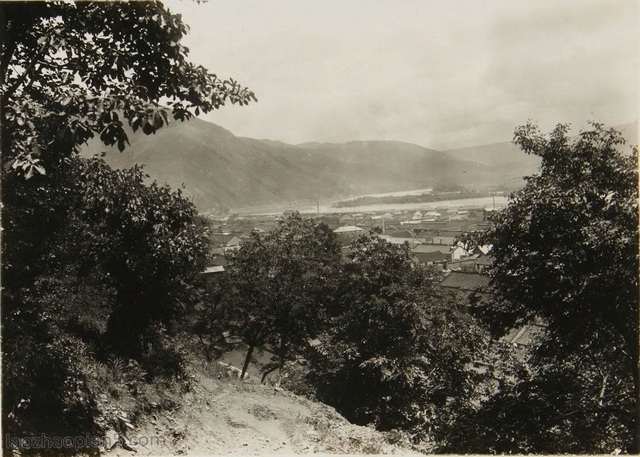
(500, 202)
(479, 202)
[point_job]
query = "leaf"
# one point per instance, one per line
(157, 117)
(147, 128)
(121, 143)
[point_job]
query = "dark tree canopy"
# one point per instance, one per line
(111, 275)
(397, 352)
(282, 282)
(566, 247)
(69, 71)
(566, 251)
(95, 262)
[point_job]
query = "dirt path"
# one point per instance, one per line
(230, 417)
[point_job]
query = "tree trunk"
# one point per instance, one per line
(602, 389)
(246, 361)
(266, 373)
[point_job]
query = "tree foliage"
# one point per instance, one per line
(95, 262)
(70, 71)
(398, 350)
(281, 282)
(145, 240)
(566, 251)
(114, 274)
(110, 278)
(213, 316)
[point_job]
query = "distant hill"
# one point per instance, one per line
(508, 161)
(504, 154)
(379, 166)
(217, 168)
(222, 171)
(513, 161)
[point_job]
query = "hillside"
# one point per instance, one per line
(512, 160)
(222, 415)
(217, 168)
(222, 171)
(506, 155)
(379, 166)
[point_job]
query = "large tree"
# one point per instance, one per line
(566, 250)
(79, 237)
(399, 347)
(114, 277)
(69, 71)
(282, 284)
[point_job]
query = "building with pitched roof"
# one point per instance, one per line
(435, 258)
(348, 229)
(424, 248)
(466, 283)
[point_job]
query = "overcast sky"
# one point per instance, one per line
(441, 74)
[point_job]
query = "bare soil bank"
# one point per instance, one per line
(230, 417)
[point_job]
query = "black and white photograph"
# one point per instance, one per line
(332, 227)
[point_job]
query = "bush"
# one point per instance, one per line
(46, 390)
(396, 356)
(295, 379)
(163, 358)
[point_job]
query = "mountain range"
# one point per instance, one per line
(219, 170)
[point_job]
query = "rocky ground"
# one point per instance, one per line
(222, 415)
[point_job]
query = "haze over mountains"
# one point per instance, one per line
(222, 171)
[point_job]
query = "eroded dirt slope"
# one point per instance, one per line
(222, 416)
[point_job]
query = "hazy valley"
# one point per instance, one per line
(222, 171)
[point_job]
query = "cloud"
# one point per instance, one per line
(440, 74)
